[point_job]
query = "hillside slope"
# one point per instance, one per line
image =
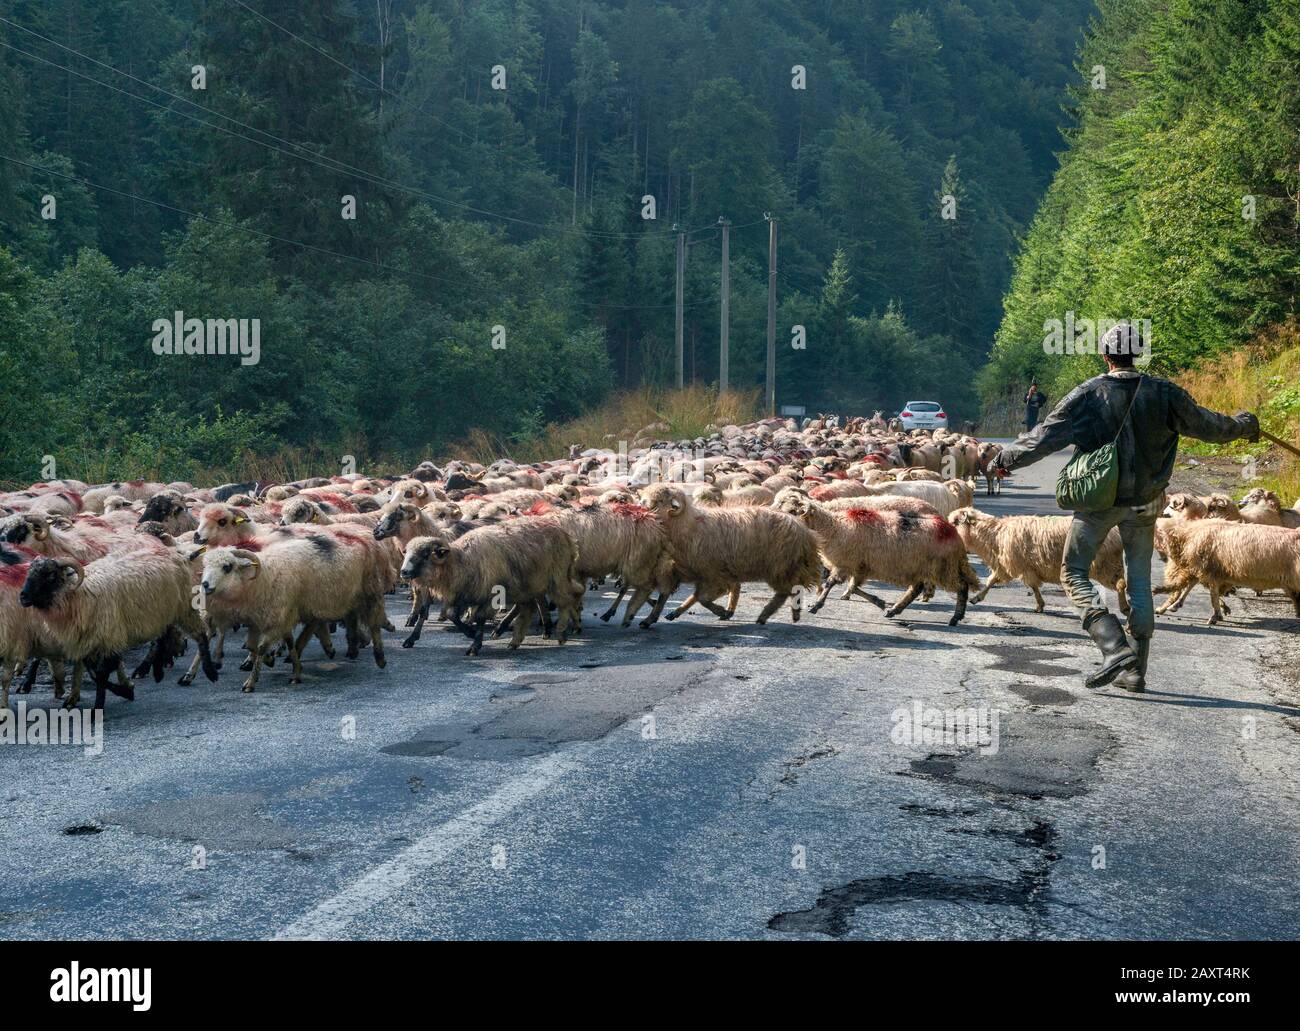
(1178, 198)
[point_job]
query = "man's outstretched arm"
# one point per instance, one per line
(1050, 435)
(1191, 420)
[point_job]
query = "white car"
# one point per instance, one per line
(923, 415)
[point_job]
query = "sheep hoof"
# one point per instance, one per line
(248, 687)
(185, 680)
(141, 670)
(605, 617)
(380, 661)
(408, 643)
(388, 625)
(71, 703)
(954, 621)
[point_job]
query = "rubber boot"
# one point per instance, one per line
(1116, 656)
(1136, 680)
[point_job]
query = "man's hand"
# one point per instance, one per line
(1249, 420)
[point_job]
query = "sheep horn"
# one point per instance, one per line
(40, 530)
(257, 562)
(75, 566)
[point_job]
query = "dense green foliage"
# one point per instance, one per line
(479, 207)
(1150, 214)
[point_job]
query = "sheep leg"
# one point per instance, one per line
(683, 607)
(477, 645)
(74, 692)
(1217, 615)
(255, 653)
(1295, 597)
(1121, 592)
(905, 600)
(326, 642)
(831, 583)
(377, 618)
(353, 633)
(147, 662)
(6, 678)
(608, 614)
(507, 621)
(29, 680)
(996, 576)
(963, 594)
(880, 603)
(655, 611)
(733, 601)
(124, 688)
(777, 601)
(639, 597)
(1033, 583)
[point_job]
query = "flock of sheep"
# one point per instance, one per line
(88, 573)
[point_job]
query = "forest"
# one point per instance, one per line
(437, 212)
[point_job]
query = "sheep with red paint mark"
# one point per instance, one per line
(897, 547)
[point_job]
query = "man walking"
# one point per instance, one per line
(1091, 415)
(1034, 402)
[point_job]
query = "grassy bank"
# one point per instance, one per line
(1262, 377)
(632, 416)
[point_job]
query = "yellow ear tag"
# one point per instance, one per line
(240, 519)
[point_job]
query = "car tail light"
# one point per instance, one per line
(942, 415)
(904, 415)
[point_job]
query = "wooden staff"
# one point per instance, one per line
(1280, 443)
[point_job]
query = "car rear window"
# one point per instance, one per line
(923, 406)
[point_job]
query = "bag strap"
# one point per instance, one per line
(1131, 400)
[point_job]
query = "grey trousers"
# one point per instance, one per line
(1137, 529)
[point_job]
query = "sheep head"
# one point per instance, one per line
(221, 525)
(228, 569)
(666, 501)
(424, 554)
(1185, 506)
(49, 580)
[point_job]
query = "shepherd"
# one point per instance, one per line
(1125, 428)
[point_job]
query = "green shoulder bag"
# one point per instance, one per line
(1090, 479)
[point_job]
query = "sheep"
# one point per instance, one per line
(623, 540)
(133, 490)
(99, 610)
(307, 580)
(1235, 554)
(22, 634)
(1220, 506)
(936, 495)
(1264, 507)
(302, 509)
(1030, 548)
(1182, 505)
(716, 548)
(169, 509)
(516, 563)
(893, 547)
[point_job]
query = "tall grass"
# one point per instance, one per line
(1261, 377)
(664, 414)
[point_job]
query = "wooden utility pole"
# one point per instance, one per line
(681, 308)
(771, 316)
(724, 357)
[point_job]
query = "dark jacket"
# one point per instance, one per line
(1033, 402)
(1090, 415)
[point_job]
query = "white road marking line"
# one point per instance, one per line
(331, 918)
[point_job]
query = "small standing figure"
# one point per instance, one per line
(1034, 401)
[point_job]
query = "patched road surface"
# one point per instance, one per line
(698, 780)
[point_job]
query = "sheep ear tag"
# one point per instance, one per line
(240, 519)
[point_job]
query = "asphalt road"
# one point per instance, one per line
(698, 780)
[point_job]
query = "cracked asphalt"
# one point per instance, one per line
(699, 780)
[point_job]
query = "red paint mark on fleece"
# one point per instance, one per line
(863, 515)
(822, 493)
(338, 500)
(632, 511)
(92, 520)
(874, 459)
(540, 508)
(943, 529)
(14, 576)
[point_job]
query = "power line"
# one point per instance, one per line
(297, 243)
